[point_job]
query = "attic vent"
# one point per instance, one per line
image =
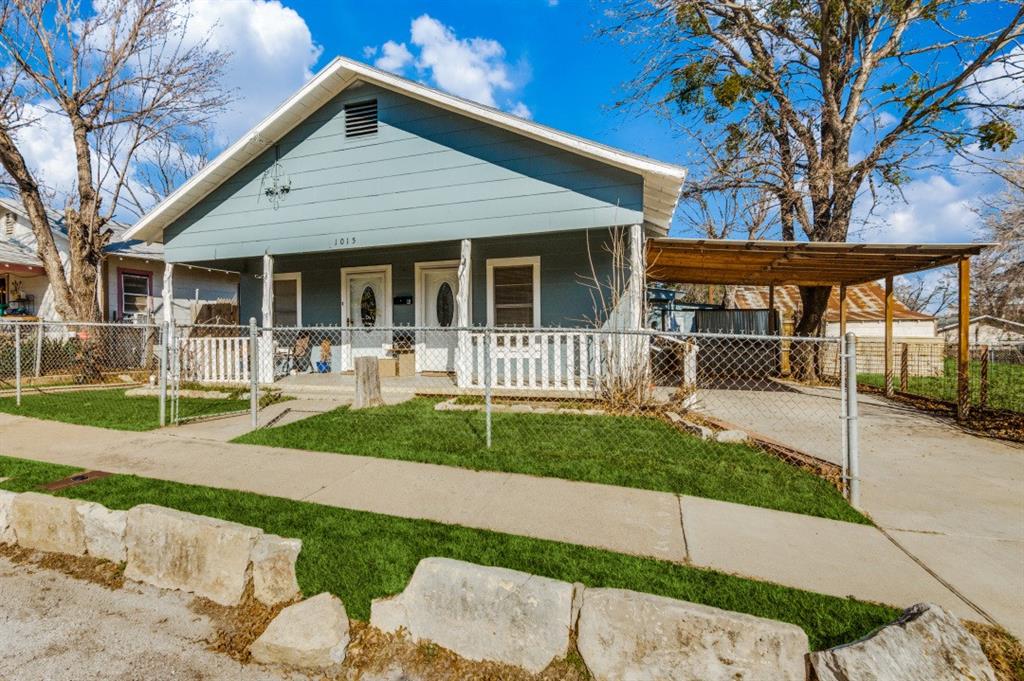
(8, 223)
(361, 118)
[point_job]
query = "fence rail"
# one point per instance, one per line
(664, 398)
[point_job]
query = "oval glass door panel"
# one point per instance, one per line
(368, 307)
(445, 304)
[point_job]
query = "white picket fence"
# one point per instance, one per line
(537, 359)
(214, 359)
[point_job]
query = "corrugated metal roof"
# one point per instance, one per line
(864, 302)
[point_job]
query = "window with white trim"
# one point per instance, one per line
(513, 291)
(287, 299)
(135, 292)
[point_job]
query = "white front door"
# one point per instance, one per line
(366, 309)
(435, 346)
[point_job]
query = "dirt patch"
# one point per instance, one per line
(374, 653)
(95, 570)
(1004, 651)
(236, 627)
(998, 423)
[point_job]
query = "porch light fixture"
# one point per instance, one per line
(275, 183)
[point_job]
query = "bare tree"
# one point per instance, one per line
(997, 281)
(127, 81)
(922, 293)
(821, 102)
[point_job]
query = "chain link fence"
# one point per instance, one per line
(694, 409)
(928, 369)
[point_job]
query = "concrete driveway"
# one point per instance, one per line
(951, 499)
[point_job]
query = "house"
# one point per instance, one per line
(865, 310)
(367, 200)
(130, 288)
(986, 330)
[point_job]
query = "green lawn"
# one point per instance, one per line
(110, 408)
(628, 451)
(1005, 388)
(361, 556)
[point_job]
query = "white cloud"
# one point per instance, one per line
(1001, 82)
(936, 209)
(47, 147)
(474, 68)
(521, 110)
(273, 54)
(394, 57)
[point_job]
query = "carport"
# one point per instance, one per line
(777, 263)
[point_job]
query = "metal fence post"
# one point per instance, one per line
(164, 356)
(17, 364)
(254, 370)
(39, 348)
(487, 384)
(852, 444)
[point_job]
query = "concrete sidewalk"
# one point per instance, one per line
(841, 559)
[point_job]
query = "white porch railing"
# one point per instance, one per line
(212, 359)
(537, 359)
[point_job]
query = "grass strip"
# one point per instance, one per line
(360, 556)
(111, 408)
(628, 451)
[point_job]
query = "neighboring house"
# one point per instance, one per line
(865, 309)
(130, 289)
(986, 330)
(371, 200)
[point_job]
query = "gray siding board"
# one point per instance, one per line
(565, 273)
(427, 175)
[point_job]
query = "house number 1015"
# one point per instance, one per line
(344, 241)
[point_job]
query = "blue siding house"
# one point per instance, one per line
(368, 200)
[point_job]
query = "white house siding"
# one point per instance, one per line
(984, 332)
(192, 287)
(904, 328)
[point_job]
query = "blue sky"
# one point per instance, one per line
(534, 57)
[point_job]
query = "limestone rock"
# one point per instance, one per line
(310, 634)
(926, 642)
(734, 437)
(175, 550)
(637, 636)
(104, 531)
(48, 523)
(273, 569)
(7, 535)
(482, 613)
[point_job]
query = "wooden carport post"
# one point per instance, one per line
(963, 394)
(888, 335)
(842, 310)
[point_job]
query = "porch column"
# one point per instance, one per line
(888, 335)
(268, 290)
(463, 355)
(637, 278)
(963, 313)
(167, 294)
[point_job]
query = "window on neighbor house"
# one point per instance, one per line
(286, 302)
(135, 292)
(513, 295)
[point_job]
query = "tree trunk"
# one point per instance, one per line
(367, 383)
(814, 301)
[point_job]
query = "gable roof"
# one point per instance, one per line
(985, 318)
(864, 302)
(662, 181)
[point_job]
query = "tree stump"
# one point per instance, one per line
(367, 383)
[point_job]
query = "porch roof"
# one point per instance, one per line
(661, 187)
(725, 261)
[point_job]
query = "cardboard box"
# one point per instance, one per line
(406, 363)
(388, 367)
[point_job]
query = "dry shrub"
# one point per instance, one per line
(95, 570)
(1004, 651)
